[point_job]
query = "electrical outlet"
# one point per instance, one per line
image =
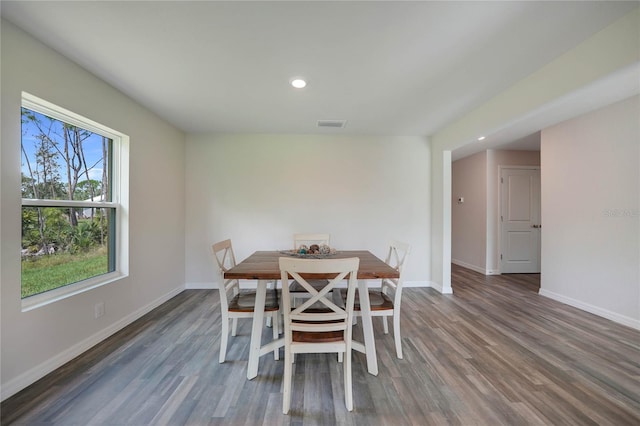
(98, 309)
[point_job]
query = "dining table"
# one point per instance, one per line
(264, 267)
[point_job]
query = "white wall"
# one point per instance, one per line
(469, 219)
(259, 190)
(591, 212)
(36, 342)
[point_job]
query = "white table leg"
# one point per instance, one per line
(256, 330)
(367, 328)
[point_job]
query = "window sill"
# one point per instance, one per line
(38, 300)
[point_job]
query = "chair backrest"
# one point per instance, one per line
(307, 317)
(397, 255)
(223, 253)
(396, 258)
(309, 239)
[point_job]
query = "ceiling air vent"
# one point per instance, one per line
(336, 124)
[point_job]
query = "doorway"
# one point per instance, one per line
(520, 222)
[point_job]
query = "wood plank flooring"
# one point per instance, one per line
(494, 353)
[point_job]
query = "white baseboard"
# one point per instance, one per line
(36, 373)
(407, 284)
(440, 288)
(470, 266)
(248, 284)
(613, 316)
(201, 286)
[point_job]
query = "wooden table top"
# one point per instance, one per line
(263, 265)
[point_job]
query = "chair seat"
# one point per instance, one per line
(377, 299)
(246, 300)
(317, 337)
(318, 285)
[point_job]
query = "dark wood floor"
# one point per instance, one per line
(494, 353)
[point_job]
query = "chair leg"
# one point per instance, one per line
(276, 334)
(223, 339)
(385, 324)
(234, 326)
(396, 333)
(348, 388)
(270, 285)
(286, 392)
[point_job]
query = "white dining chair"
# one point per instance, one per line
(385, 301)
(318, 325)
(235, 303)
(310, 239)
(302, 239)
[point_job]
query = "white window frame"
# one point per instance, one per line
(119, 201)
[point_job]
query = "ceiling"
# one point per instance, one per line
(388, 68)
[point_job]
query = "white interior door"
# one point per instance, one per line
(520, 220)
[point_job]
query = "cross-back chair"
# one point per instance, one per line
(307, 240)
(318, 325)
(385, 301)
(235, 303)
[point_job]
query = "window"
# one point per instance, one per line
(74, 200)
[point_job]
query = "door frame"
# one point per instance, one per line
(499, 211)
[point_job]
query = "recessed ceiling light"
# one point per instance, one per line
(298, 83)
(481, 138)
(332, 123)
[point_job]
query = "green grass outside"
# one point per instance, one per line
(49, 272)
